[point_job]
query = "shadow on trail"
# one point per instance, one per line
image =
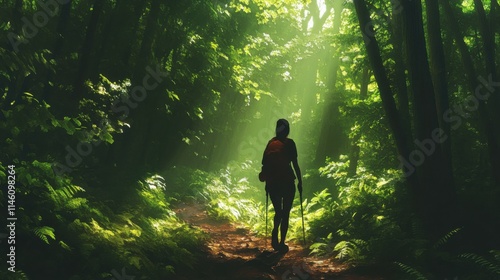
(233, 252)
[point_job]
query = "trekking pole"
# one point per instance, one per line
(302, 214)
(267, 201)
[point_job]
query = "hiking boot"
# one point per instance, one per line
(283, 248)
(274, 241)
(275, 245)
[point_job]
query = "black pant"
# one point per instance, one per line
(281, 195)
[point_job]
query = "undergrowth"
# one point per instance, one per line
(362, 226)
(78, 236)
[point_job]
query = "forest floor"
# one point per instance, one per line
(233, 252)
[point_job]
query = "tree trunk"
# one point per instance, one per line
(436, 180)
(439, 77)
(144, 55)
(487, 124)
(355, 149)
(386, 95)
(57, 48)
(17, 14)
(430, 192)
(87, 50)
(121, 26)
(495, 17)
(399, 69)
(488, 37)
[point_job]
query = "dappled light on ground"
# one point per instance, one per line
(233, 252)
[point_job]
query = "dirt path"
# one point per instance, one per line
(234, 253)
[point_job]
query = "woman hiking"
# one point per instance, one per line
(280, 180)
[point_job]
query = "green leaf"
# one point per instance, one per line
(44, 232)
(64, 245)
(106, 136)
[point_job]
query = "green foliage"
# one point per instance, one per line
(427, 260)
(361, 224)
(411, 272)
(486, 265)
(230, 195)
(230, 69)
(360, 219)
(443, 240)
(44, 232)
(145, 235)
(352, 250)
(184, 183)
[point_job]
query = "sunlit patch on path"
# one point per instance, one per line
(233, 252)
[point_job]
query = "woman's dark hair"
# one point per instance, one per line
(282, 128)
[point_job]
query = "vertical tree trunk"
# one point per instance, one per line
(17, 14)
(121, 26)
(437, 190)
(438, 71)
(87, 50)
(62, 25)
(487, 124)
(431, 192)
(495, 17)
(355, 149)
(144, 56)
(61, 33)
(151, 121)
(399, 69)
(488, 38)
(386, 95)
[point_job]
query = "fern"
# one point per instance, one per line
(414, 273)
(496, 254)
(64, 246)
(480, 261)
(44, 232)
(69, 191)
(353, 250)
(63, 195)
(443, 240)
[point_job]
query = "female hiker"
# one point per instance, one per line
(280, 180)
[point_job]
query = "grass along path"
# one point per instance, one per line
(233, 252)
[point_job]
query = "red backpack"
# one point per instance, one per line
(276, 161)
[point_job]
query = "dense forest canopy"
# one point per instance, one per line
(114, 113)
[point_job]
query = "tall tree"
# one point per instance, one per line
(438, 71)
(488, 128)
(355, 149)
(400, 70)
(87, 50)
(488, 39)
(436, 180)
(388, 102)
(432, 189)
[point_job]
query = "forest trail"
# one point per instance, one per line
(234, 253)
